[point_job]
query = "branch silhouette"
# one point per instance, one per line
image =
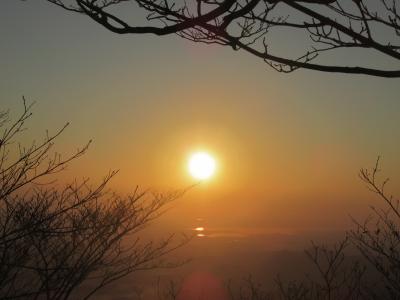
(53, 240)
(326, 28)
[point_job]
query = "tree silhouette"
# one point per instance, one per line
(374, 275)
(378, 237)
(52, 239)
(364, 265)
(329, 30)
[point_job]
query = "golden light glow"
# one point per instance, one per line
(201, 165)
(200, 231)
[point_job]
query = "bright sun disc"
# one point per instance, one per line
(201, 165)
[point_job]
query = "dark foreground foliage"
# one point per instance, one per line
(53, 239)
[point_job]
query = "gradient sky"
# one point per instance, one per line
(289, 146)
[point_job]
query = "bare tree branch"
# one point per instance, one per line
(366, 28)
(54, 239)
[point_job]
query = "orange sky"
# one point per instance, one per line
(288, 146)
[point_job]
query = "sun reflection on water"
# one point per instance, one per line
(200, 231)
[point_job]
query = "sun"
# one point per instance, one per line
(201, 165)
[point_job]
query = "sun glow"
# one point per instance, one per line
(201, 165)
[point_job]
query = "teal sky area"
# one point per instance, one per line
(289, 145)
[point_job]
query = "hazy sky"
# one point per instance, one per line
(288, 146)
